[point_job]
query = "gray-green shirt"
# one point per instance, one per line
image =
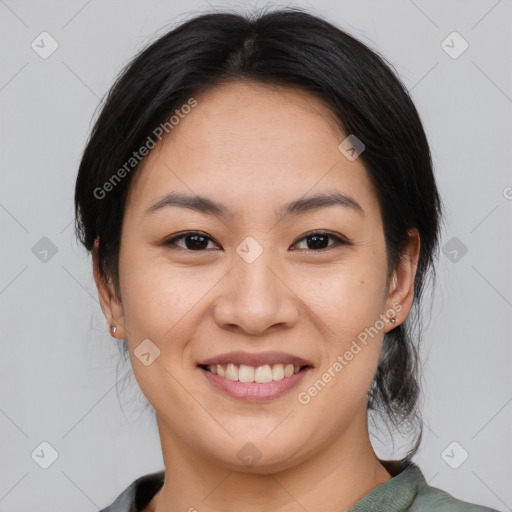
(406, 491)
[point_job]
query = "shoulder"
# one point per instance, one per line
(138, 494)
(408, 490)
(431, 498)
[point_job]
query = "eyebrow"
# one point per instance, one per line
(299, 206)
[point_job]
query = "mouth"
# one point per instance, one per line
(254, 377)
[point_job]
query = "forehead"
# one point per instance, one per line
(244, 140)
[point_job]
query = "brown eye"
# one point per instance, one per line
(193, 241)
(319, 241)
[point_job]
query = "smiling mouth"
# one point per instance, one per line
(258, 374)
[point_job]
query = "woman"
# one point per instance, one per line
(258, 198)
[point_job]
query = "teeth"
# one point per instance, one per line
(260, 374)
(277, 372)
(232, 372)
(263, 374)
(246, 373)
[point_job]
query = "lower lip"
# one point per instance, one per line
(254, 391)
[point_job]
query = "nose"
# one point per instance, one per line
(256, 298)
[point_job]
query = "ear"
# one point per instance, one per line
(401, 285)
(111, 306)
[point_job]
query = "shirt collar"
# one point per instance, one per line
(398, 493)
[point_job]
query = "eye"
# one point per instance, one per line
(194, 241)
(319, 239)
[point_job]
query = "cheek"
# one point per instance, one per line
(349, 304)
(348, 298)
(154, 290)
(155, 300)
(158, 305)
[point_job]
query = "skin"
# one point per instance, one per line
(254, 148)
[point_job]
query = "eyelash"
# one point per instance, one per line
(338, 241)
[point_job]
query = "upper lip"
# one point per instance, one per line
(251, 359)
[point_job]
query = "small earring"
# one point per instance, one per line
(393, 320)
(113, 328)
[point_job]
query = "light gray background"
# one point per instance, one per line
(58, 363)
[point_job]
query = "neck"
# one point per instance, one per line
(332, 479)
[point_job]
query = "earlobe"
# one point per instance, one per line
(110, 305)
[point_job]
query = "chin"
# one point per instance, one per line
(258, 454)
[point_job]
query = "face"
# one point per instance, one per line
(268, 278)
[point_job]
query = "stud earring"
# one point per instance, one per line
(393, 320)
(113, 328)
